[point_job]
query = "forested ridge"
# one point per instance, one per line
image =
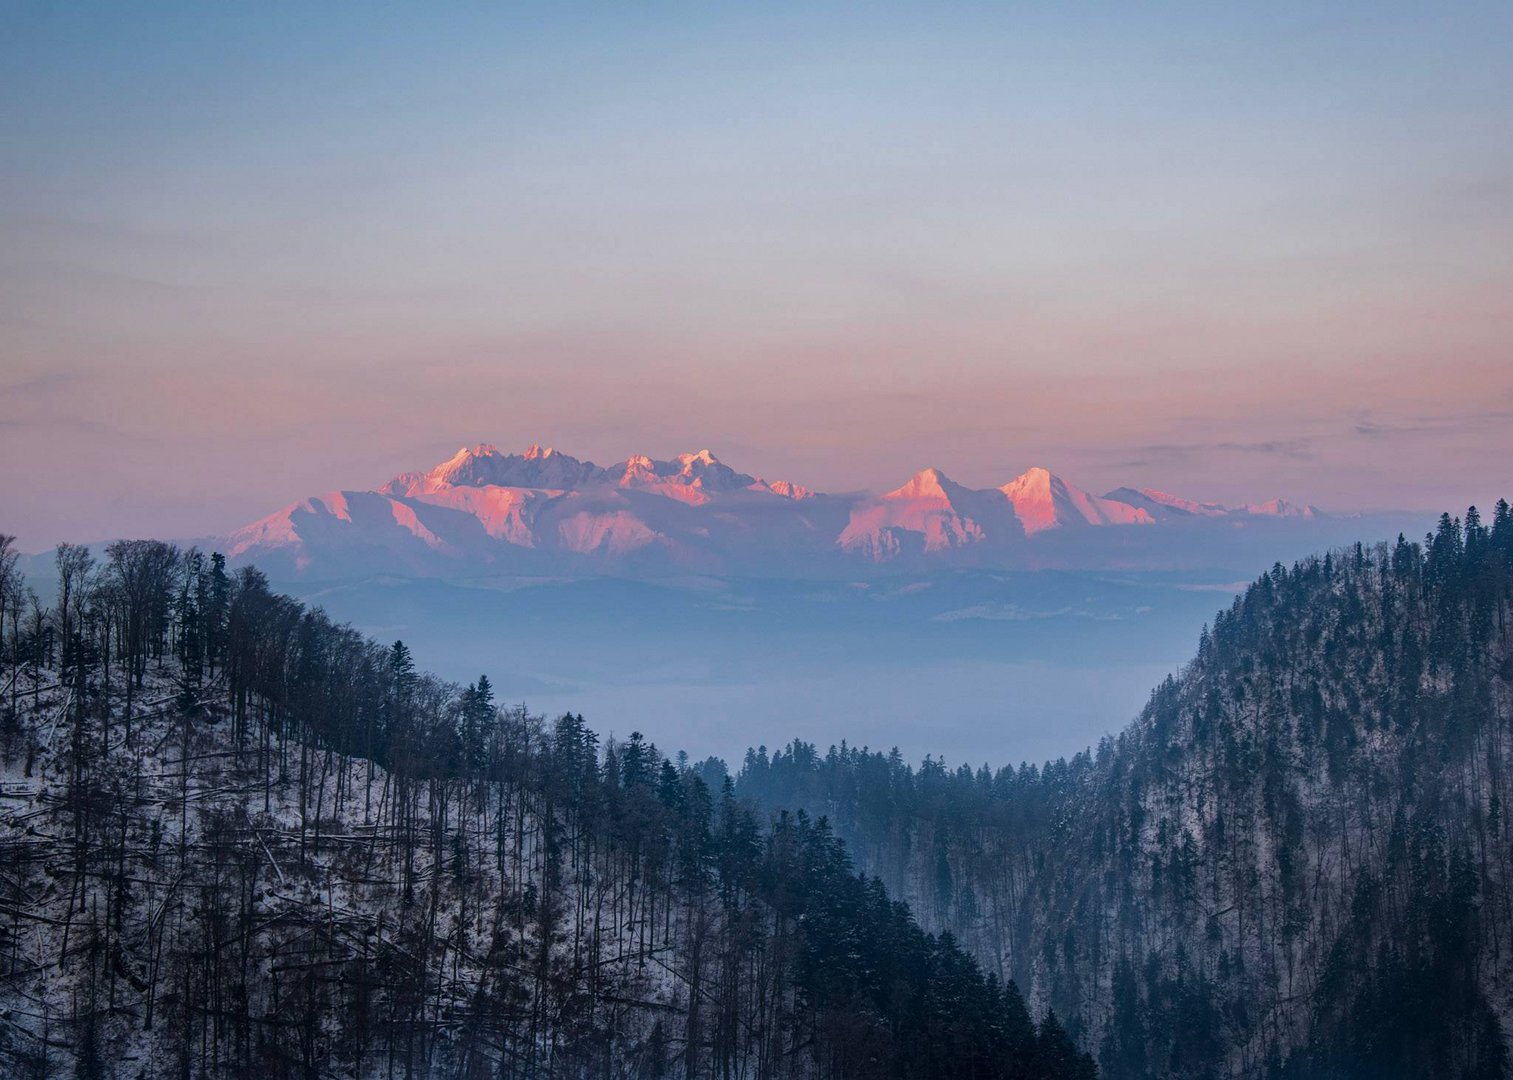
(1294, 864)
(239, 839)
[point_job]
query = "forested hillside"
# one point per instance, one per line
(1295, 863)
(237, 839)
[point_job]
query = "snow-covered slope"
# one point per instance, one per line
(1297, 853)
(540, 511)
(485, 511)
(930, 513)
(1280, 508)
(263, 846)
(1044, 500)
(1164, 507)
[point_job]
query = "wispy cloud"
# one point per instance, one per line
(1370, 427)
(1165, 453)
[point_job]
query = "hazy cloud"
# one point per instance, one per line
(1158, 453)
(1455, 424)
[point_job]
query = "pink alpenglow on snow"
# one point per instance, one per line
(546, 512)
(1162, 506)
(1044, 500)
(786, 488)
(1280, 508)
(941, 513)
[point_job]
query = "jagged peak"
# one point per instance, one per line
(1044, 500)
(467, 453)
(1036, 477)
(485, 465)
(522, 493)
(927, 482)
(787, 489)
(684, 477)
(1282, 508)
(1165, 503)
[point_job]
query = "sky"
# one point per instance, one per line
(254, 252)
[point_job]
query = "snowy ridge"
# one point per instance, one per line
(546, 511)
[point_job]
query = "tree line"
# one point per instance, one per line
(248, 840)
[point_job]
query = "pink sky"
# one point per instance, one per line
(143, 451)
(1236, 255)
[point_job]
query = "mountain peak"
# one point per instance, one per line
(1282, 508)
(466, 454)
(484, 465)
(788, 489)
(494, 505)
(1036, 479)
(1167, 507)
(689, 478)
(930, 513)
(1164, 505)
(1044, 500)
(926, 482)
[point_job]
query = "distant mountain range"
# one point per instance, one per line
(546, 512)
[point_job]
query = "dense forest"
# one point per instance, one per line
(239, 839)
(236, 836)
(1294, 864)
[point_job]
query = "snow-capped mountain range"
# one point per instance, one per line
(543, 511)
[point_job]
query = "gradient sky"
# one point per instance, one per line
(250, 252)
